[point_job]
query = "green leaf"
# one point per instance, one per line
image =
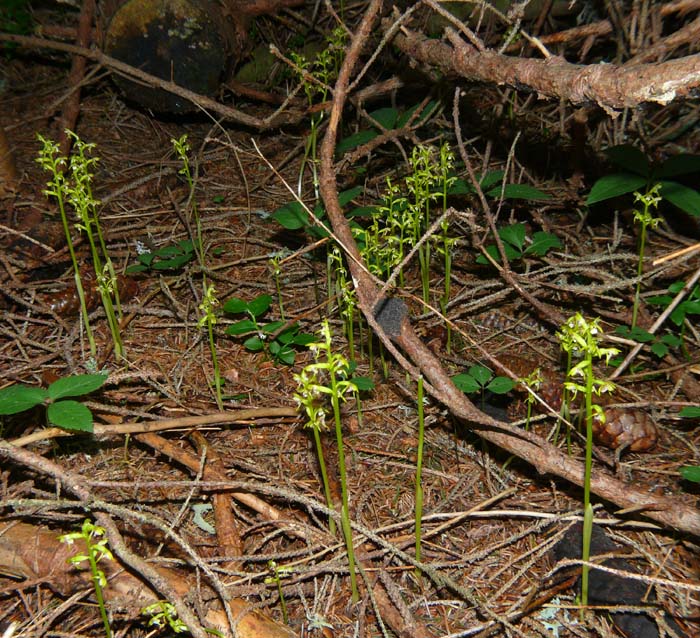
(511, 253)
(76, 385)
(466, 383)
(242, 327)
(235, 306)
(18, 398)
(70, 415)
(460, 187)
(172, 264)
(659, 300)
(259, 305)
(347, 196)
(520, 191)
(304, 339)
(491, 178)
(481, 374)
(424, 115)
(254, 344)
(285, 355)
(514, 235)
(614, 185)
(682, 164)
(629, 158)
(292, 216)
(353, 141)
(386, 117)
(500, 385)
(672, 340)
(271, 327)
(542, 242)
(637, 334)
(687, 199)
(690, 412)
(363, 383)
(362, 211)
(690, 473)
(659, 349)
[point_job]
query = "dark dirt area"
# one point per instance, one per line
(215, 501)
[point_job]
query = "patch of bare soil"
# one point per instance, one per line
(224, 514)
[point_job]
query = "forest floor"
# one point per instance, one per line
(490, 521)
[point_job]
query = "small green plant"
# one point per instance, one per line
(276, 259)
(316, 77)
(325, 379)
(648, 200)
(163, 614)
(63, 413)
(479, 379)
(96, 550)
(419, 469)
(207, 320)
(581, 338)
(170, 257)
(516, 245)
(71, 183)
(637, 172)
(389, 119)
(282, 347)
(532, 381)
(277, 574)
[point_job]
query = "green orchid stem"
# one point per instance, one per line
(324, 478)
(419, 471)
(94, 569)
(587, 519)
(345, 512)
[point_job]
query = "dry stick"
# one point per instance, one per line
(71, 109)
(74, 484)
(541, 454)
(658, 323)
(233, 115)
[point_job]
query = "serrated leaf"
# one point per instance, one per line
(500, 385)
(70, 415)
(466, 383)
(542, 243)
(235, 306)
(672, 340)
(242, 327)
(614, 185)
(76, 385)
(292, 216)
(386, 117)
(259, 305)
(629, 158)
(690, 473)
(353, 141)
(687, 199)
(690, 412)
(675, 165)
(18, 398)
(514, 235)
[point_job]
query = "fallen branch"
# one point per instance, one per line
(394, 329)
